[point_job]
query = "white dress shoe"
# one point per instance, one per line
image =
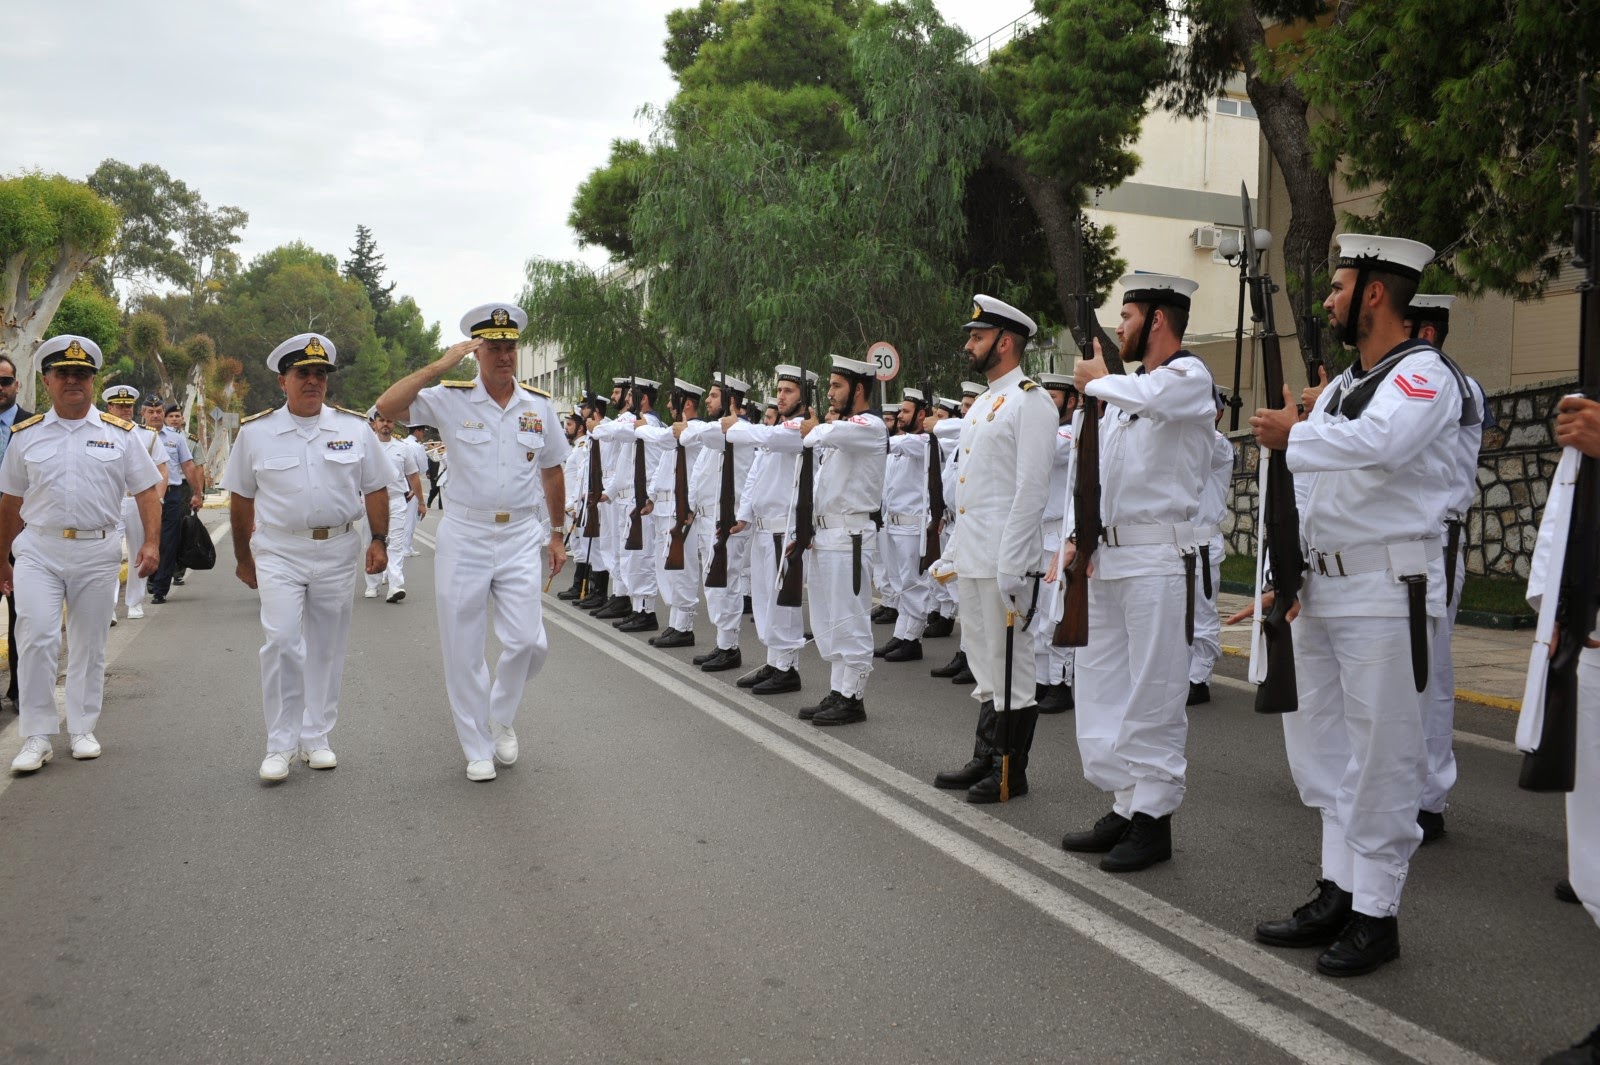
(397, 595)
(370, 593)
(135, 613)
(85, 746)
(505, 744)
(275, 766)
(481, 769)
(321, 758)
(36, 751)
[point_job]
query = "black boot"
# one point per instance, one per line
(885, 615)
(1199, 694)
(1106, 834)
(1584, 1053)
(580, 574)
(964, 678)
(671, 637)
(1366, 943)
(938, 626)
(617, 607)
(1008, 777)
(643, 621)
(726, 658)
(599, 591)
(782, 680)
(1317, 922)
(749, 606)
(1147, 841)
(755, 678)
(956, 665)
(908, 651)
(1432, 825)
(982, 755)
(1564, 891)
(893, 644)
(1057, 699)
(810, 712)
(846, 710)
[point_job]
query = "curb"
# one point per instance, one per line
(1478, 619)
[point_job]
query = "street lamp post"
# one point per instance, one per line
(1231, 248)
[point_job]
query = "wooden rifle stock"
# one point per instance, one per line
(717, 571)
(591, 517)
(681, 512)
(930, 551)
(635, 541)
(1073, 628)
(793, 561)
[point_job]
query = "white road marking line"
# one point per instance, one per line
(1304, 1040)
(1471, 739)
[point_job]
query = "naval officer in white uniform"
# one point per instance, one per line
(65, 475)
(120, 401)
(506, 453)
(300, 477)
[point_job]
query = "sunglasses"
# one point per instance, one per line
(7, 382)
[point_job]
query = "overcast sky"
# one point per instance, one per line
(457, 130)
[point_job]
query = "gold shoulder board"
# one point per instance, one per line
(358, 413)
(1028, 385)
(121, 423)
(257, 414)
(35, 420)
(535, 391)
(458, 384)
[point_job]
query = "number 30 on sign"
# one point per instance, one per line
(886, 359)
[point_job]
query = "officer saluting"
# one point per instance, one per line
(506, 452)
(299, 480)
(65, 474)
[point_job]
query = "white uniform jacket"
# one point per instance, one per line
(1004, 472)
(74, 474)
(496, 454)
(847, 484)
(768, 492)
(307, 476)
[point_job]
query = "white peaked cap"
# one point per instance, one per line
(1405, 257)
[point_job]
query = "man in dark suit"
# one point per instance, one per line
(10, 414)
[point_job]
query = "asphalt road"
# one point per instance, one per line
(678, 872)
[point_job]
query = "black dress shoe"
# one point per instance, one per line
(1147, 841)
(908, 651)
(1432, 825)
(158, 599)
(1198, 694)
(955, 665)
(1057, 699)
(886, 615)
(728, 658)
(964, 677)
(846, 710)
(938, 626)
(1564, 890)
(968, 775)
(894, 643)
(1584, 1053)
(643, 621)
(810, 712)
(749, 607)
(618, 606)
(1106, 833)
(757, 677)
(178, 581)
(877, 614)
(670, 638)
(782, 680)
(1317, 922)
(1366, 943)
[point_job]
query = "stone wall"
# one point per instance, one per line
(1514, 470)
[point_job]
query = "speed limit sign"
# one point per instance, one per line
(886, 359)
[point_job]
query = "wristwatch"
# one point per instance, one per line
(560, 530)
(381, 538)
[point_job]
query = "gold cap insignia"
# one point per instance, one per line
(500, 317)
(977, 311)
(314, 349)
(75, 353)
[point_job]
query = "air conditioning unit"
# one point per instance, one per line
(1206, 237)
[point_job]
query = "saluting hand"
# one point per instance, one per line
(1578, 425)
(454, 354)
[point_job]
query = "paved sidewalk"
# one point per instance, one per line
(1491, 664)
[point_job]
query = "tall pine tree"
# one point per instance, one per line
(366, 266)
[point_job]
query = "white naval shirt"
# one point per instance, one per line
(74, 474)
(307, 476)
(1055, 502)
(153, 445)
(1214, 494)
(496, 453)
(1005, 457)
(576, 470)
(403, 457)
(1382, 478)
(617, 438)
(705, 477)
(905, 483)
(848, 479)
(768, 491)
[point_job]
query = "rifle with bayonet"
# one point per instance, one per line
(717, 571)
(641, 491)
(930, 547)
(1073, 628)
(791, 568)
(1551, 763)
(1311, 331)
(1280, 561)
(682, 513)
(591, 517)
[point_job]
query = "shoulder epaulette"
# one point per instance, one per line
(121, 423)
(1028, 385)
(458, 384)
(35, 420)
(535, 391)
(257, 414)
(358, 413)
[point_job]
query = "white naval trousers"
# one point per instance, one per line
(680, 588)
(51, 572)
(640, 566)
(882, 582)
(399, 544)
(1439, 704)
(1356, 751)
(780, 628)
(725, 606)
(407, 527)
(479, 567)
(130, 533)
(1051, 664)
(902, 567)
(613, 532)
(983, 638)
(1583, 801)
(304, 587)
(1132, 681)
(841, 619)
(1207, 646)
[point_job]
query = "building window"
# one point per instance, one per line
(1227, 105)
